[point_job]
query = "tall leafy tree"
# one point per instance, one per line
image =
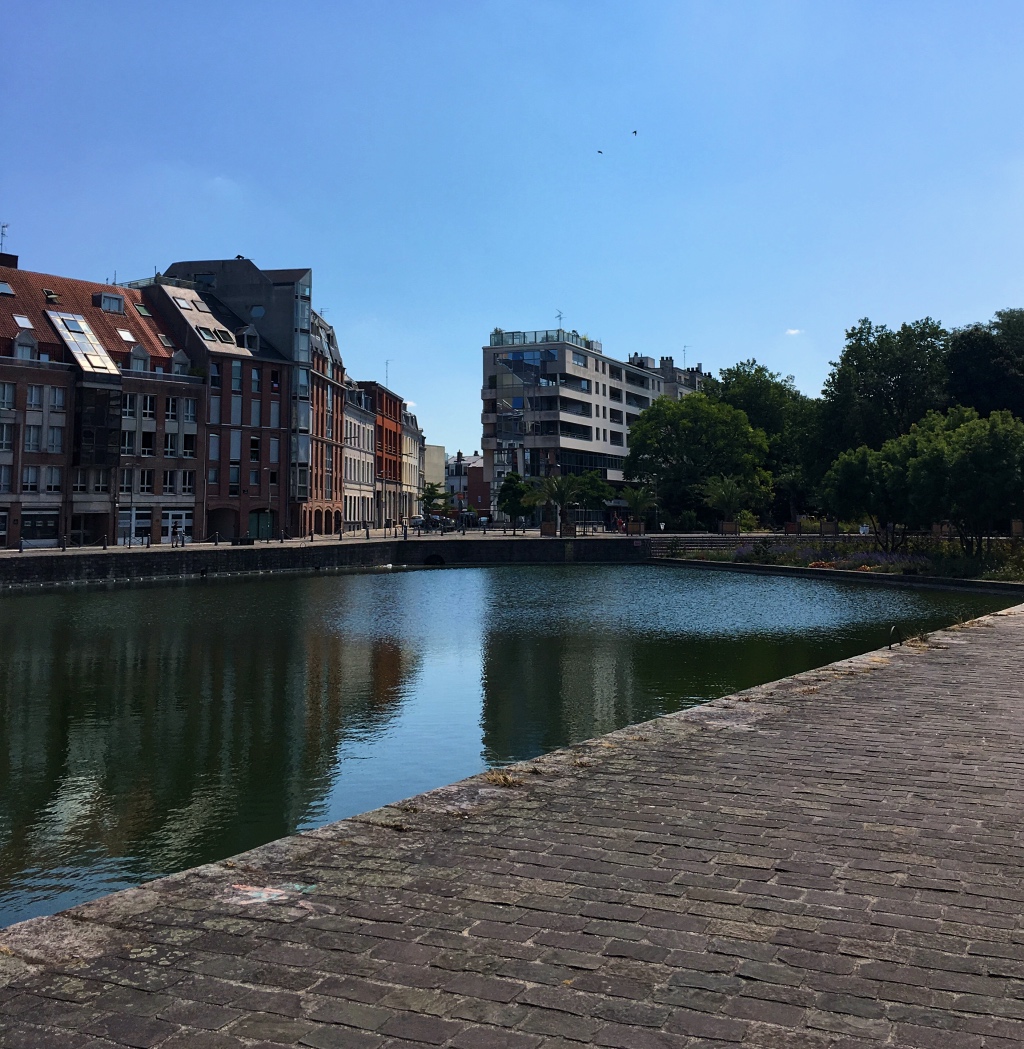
(512, 497)
(679, 445)
(884, 382)
(986, 364)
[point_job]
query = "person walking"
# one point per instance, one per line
(174, 535)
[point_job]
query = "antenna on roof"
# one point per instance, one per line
(3, 234)
(558, 314)
(685, 348)
(387, 366)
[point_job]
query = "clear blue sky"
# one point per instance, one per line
(797, 166)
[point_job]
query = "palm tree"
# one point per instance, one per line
(639, 501)
(724, 494)
(560, 492)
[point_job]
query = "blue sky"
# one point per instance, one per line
(796, 166)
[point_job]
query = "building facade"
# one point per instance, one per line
(553, 403)
(101, 420)
(387, 432)
(359, 469)
(410, 499)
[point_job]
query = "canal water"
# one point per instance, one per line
(143, 731)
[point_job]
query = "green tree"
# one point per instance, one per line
(678, 445)
(772, 403)
(594, 491)
(640, 501)
(871, 483)
(512, 497)
(725, 495)
(986, 364)
(435, 498)
(560, 492)
(884, 382)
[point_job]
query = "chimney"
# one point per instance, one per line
(8, 260)
(667, 364)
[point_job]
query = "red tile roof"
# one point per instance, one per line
(76, 296)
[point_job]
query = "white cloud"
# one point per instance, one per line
(410, 404)
(794, 331)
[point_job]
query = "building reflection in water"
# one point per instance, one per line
(167, 727)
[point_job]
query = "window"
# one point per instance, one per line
(235, 446)
(55, 440)
(275, 450)
(6, 437)
(168, 487)
(5, 478)
(183, 304)
(615, 437)
(215, 376)
(22, 321)
(127, 442)
(236, 410)
(254, 413)
(214, 447)
(254, 449)
(101, 482)
(188, 446)
(171, 409)
(615, 416)
(206, 333)
(128, 406)
(273, 477)
(233, 480)
(275, 382)
(303, 383)
(149, 406)
(30, 479)
(53, 478)
(275, 413)
(255, 380)
(57, 398)
(614, 394)
(142, 310)
(148, 442)
(125, 487)
(140, 360)
(200, 306)
(579, 359)
(111, 303)
(33, 438)
(35, 398)
(214, 409)
(25, 348)
(236, 376)
(6, 396)
(126, 335)
(614, 373)
(213, 475)
(171, 444)
(254, 478)
(224, 336)
(5, 288)
(78, 483)
(188, 482)
(146, 481)
(73, 324)
(190, 410)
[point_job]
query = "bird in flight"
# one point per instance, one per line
(634, 134)
(601, 151)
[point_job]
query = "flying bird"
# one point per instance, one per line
(634, 133)
(601, 151)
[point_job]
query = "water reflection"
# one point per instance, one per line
(143, 731)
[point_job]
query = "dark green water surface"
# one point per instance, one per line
(144, 731)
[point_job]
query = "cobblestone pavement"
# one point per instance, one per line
(830, 861)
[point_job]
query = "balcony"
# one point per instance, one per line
(542, 337)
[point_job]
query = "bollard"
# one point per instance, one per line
(367, 531)
(405, 531)
(104, 540)
(63, 542)
(21, 546)
(216, 538)
(341, 533)
(282, 535)
(311, 535)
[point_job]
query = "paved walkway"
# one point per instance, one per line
(832, 861)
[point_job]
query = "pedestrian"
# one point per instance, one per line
(174, 535)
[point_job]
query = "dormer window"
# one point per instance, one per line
(109, 302)
(180, 363)
(139, 360)
(26, 348)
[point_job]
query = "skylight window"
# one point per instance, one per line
(166, 340)
(206, 334)
(5, 288)
(126, 335)
(143, 310)
(73, 324)
(200, 305)
(225, 336)
(182, 303)
(22, 321)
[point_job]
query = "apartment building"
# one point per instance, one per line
(387, 411)
(553, 403)
(100, 418)
(359, 471)
(325, 511)
(412, 467)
